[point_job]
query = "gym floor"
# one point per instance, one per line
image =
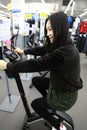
(13, 120)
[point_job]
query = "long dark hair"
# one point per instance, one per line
(60, 27)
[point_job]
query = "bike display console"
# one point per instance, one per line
(10, 54)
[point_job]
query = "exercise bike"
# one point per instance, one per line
(33, 121)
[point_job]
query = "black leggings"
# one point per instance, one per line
(40, 105)
(41, 84)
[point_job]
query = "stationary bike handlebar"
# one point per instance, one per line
(16, 76)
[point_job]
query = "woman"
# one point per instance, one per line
(61, 58)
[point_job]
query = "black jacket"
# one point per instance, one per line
(63, 64)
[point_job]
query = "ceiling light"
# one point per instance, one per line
(42, 1)
(83, 14)
(3, 6)
(68, 6)
(2, 12)
(85, 10)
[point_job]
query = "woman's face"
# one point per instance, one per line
(49, 31)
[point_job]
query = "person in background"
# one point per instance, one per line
(61, 58)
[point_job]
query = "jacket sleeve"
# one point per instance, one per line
(47, 62)
(37, 51)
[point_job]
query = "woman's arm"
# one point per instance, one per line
(49, 61)
(37, 51)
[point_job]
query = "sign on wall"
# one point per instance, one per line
(4, 29)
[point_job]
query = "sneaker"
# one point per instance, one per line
(53, 128)
(62, 127)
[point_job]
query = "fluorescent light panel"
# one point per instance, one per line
(83, 14)
(42, 1)
(2, 12)
(68, 6)
(3, 6)
(85, 9)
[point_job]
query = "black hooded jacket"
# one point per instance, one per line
(63, 64)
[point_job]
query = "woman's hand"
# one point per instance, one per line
(18, 50)
(3, 65)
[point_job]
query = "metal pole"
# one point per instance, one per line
(7, 84)
(22, 94)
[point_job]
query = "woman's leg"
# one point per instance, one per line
(41, 107)
(41, 84)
